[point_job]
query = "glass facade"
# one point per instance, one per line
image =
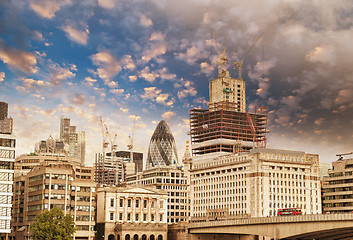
(162, 149)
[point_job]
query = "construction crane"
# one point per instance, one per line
(130, 146)
(343, 154)
(239, 63)
(222, 59)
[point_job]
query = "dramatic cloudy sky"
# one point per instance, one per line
(155, 58)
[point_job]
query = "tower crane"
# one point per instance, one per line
(130, 146)
(343, 154)
(222, 59)
(239, 63)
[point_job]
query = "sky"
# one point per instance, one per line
(154, 59)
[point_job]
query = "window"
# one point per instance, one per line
(112, 202)
(120, 216)
(144, 217)
(144, 203)
(129, 203)
(129, 216)
(152, 217)
(111, 216)
(161, 203)
(121, 202)
(137, 217)
(137, 203)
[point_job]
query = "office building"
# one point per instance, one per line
(338, 187)
(172, 180)
(44, 181)
(131, 213)
(137, 158)
(162, 149)
(51, 146)
(255, 184)
(7, 156)
(75, 140)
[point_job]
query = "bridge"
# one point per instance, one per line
(322, 226)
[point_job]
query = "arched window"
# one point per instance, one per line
(160, 237)
(111, 237)
(136, 237)
(127, 237)
(118, 237)
(152, 237)
(144, 237)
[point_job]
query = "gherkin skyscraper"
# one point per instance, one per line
(162, 150)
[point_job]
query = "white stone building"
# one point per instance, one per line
(131, 213)
(255, 184)
(172, 180)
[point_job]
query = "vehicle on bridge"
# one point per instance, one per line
(289, 211)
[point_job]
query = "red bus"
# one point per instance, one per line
(289, 211)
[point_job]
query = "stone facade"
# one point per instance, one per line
(255, 184)
(126, 213)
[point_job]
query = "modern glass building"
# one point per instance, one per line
(162, 149)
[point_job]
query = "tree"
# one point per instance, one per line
(53, 225)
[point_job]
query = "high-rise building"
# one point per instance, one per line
(76, 141)
(226, 126)
(51, 146)
(338, 187)
(255, 184)
(7, 156)
(42, 181)
(162, 149)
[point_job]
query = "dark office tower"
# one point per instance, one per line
(162, 149)
(3, 110)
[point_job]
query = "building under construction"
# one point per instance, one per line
(227, 126)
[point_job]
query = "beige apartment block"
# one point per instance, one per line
(44, 181)
(173, 180)
(131, 213)
(338, 187)
(255, 184)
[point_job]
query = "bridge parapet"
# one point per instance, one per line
(274, 220)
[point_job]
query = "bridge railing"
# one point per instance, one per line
(276, 219)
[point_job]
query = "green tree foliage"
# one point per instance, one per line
(53, 225)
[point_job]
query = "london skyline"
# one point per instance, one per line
(154, 59)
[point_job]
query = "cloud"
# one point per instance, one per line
(148, 75)
(59, 74)
(2, 76)
(78, 36)
(48, 8)
(79, 99)
(18, 59)
(109, 4)
(145, 21)
(117, 91)
(344, 96)
(127, 62)
(188, 90)
(168, 115)
(124, 110)
(89, 81)
(152, 93)
(132, 78)
(156, 47)
(32, 85)
(108, 67)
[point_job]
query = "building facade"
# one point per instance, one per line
(131, 213)
(174, 181)
(338, 187)
(162, 149)
(7, 157)
(51, 146)
(44, 181)
(255, 184)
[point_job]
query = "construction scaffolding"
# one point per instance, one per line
(224, 129)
